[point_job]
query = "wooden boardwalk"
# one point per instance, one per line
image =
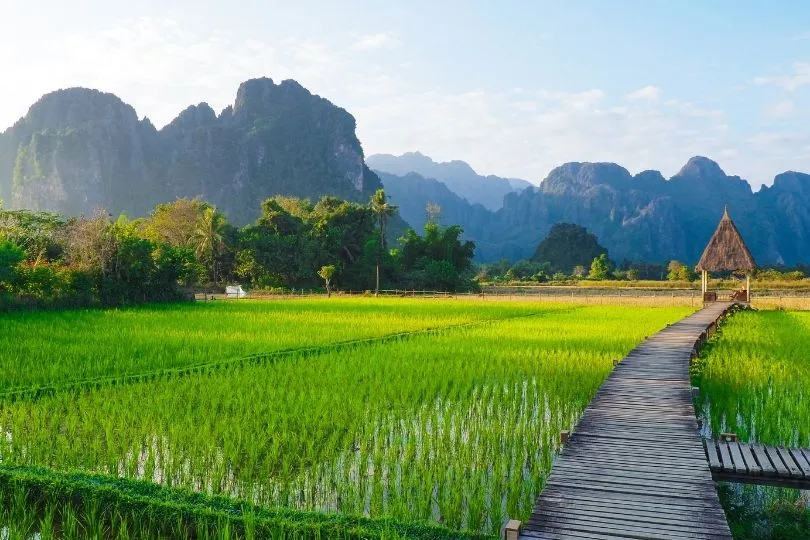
(758, 464)
(635, 466)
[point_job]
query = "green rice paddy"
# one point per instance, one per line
(755, 381)
(455, 427)
(60, 347)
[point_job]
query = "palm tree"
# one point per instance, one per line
(383, 211)
(208, 237)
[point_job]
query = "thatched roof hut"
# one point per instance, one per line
(726, 250)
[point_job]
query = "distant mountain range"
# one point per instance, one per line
(77, 150)
(487, 191)
(643, 217)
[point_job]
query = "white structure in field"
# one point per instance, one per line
(235, 291)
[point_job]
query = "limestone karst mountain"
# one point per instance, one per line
(77, 150)
(642, 217)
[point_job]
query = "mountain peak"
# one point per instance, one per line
(72, 107)
(252, 91)
(701, 167)
(196, 114)
(791, 182)
(576, 175)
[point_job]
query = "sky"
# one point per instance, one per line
(514, 88)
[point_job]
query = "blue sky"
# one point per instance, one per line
(514, 87)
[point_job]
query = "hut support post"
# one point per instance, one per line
(704, 281)
(748, 287)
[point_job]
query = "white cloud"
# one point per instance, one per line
(648, 93)
(374, 41)
(782, 109)
(800, 77)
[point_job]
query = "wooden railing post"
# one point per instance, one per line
(511, 530)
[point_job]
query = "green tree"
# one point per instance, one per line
(293, 238)
(10, 256)
(525, 270)
(208, 238)
(342, 230)
(567, 246)
(175, 223)
(438, 260)
(383, 211)
(326, 272)
(600, 268)
(677, 271)
(36, 233)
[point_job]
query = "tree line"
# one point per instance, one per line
(185, 245)
(570, 253)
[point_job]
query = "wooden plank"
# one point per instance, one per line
(780, 467)
(553, 533)
(711, 453)
(750, 461)
(725, 456)
(628, 522)
(652, 491)
(736, 456)
(660, 505)
(802, 460)
(664, 469)
(667, 514)
(793, 468)
(763, 460)
(619, 528)
(625, 475)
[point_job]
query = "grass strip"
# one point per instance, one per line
(99, 502)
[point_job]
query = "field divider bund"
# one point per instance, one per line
(35, 393)
(638, 440)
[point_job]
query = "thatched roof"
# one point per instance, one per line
(726, 250)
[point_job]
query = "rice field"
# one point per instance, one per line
(455, 427)
(755, 381)
(47, 348)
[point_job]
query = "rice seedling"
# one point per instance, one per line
(457, 427)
